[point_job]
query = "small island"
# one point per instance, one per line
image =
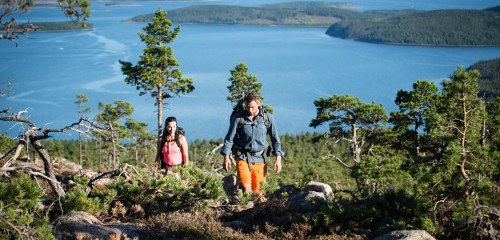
(451, 28)
(121, 4)
(54, 26)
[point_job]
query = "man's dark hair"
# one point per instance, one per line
(252, 97)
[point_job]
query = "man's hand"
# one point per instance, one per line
(227, 163)
(277, 164)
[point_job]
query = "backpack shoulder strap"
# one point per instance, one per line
(177, 139)
(266, 120)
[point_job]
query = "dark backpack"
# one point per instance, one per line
(179, 131)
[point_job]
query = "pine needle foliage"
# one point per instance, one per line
(97, 203)
(19, 218)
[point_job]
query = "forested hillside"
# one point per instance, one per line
(436, 28)
(490, 78)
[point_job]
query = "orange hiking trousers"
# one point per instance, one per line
(251, 179)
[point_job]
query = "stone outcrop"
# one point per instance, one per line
(82, 225)
(229, 184)
(313, 195)
(406, 235)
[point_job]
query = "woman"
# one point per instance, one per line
(174, 146)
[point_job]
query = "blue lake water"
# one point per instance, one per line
(295, 65)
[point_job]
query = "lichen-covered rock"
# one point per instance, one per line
(406, 235)
(83, 225)
(320, 187)
(307, 199)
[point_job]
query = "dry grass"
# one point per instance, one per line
(271, 220)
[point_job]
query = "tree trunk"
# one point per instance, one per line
(80, 148)
(355, 144)
(463, 143)
(86, 151)
(136, 154)
(113, 146)
(417, 140)
(47, 162)
(99, 152)
(160, 116)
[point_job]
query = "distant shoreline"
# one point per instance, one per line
(423, 44)
(117, 4)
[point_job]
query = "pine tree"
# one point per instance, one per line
(157, 71)
(350, 118)
(416, 109)
(464, 113)
(242, 83)
(140, 136)
(111, 116)
(81, 99)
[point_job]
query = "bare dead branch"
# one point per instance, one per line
(129, 166)
(213, 151)
(210, 154)
(82, 122)
(110, 174)
(330, 155)
(16, 118)
(29, 171)
(16, 154)
(439, 202)
(9, 152)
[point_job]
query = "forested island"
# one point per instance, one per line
(54, 26)
(293, 14)
(467, 28)
(436, 28)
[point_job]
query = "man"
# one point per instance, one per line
(246, 139)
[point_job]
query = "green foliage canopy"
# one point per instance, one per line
(242, 83)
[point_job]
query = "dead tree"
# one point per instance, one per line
(33, 135)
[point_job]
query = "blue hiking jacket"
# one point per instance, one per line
(252, 136)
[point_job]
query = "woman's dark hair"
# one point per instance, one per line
(165, 130)
(165, 133)
(170, 119)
